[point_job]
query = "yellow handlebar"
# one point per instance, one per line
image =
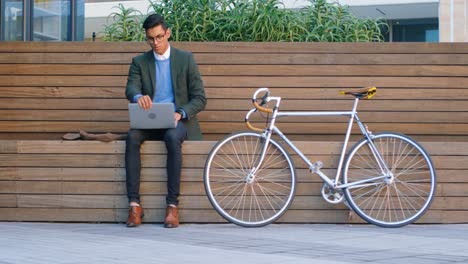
(261, 108)
(249, 126)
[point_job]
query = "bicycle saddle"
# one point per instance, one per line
(365, 93)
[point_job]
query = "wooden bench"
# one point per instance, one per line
(51, 180)
(49, 89)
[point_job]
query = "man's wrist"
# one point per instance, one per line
(136, 97)
(182, 113)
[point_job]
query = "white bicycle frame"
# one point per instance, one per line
(315, 168)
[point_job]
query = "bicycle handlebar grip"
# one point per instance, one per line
(249, 126)
(247, 123)
(260, 107)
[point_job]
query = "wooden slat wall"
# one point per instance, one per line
(85, 181)
(48, 89)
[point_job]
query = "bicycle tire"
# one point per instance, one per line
(390, 203)
(263, 200)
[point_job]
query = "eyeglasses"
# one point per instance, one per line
(158, 38)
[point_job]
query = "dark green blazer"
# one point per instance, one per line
(187, 84)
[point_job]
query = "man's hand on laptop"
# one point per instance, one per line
(145, 102)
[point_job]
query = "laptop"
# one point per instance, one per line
(160, 116)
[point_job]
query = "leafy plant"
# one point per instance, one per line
(334, 23)
(249, 20)
(126, 25)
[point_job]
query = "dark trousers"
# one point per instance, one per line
(173, 137)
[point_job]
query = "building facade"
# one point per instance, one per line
(453, 20)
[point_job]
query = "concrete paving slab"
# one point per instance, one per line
(60, 243)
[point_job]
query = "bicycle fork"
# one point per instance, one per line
(250, 178)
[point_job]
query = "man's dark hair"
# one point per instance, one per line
(154, 20)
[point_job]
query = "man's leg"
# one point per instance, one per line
(135, 138)
(174, 139)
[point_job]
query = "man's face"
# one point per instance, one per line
(158, 39)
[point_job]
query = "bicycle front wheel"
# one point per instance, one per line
(406, 191)
(244, 192)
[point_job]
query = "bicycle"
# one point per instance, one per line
(387, 178)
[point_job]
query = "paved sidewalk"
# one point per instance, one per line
(52, 243)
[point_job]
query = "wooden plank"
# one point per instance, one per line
(115, 147)
(63, 92)
(65, 69)
(8, 147)
(58, 215)
(328, 137)
(248, 81)
(450, 203)
(203, 216)
(244, 70)
(159, 161)
(64, 104)
(118, 188)
(365, 116)
(244, 93)
(160, 188)
(63, 126)
(344, 105)
(30, 136)
(326, 93)
(195, 147)
(63, 80)
(231, 116)
(147, 174)
(229, 127)
(70, 115)
(8, 200)
(117, 161)
(332, 70)
(186, 202)
(213, 136)
(330, 58)
(332, 81)
(236, 47)
(340, 128)
(335, 216)
(69, 58)
(159, 174)
(243, 105)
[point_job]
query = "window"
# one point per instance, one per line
(44, 20)
(12, 20)
(51, 20)
(415, 30)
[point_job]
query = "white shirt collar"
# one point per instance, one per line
(165, 56)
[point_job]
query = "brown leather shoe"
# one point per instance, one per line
(172, 217)
(135, 213)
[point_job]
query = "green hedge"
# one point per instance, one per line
(242, 20)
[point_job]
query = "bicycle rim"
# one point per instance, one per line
(238, 200)
(386, 202)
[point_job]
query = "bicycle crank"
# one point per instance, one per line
(331, 195)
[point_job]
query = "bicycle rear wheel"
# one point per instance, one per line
(242, 195)
(404, 194)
